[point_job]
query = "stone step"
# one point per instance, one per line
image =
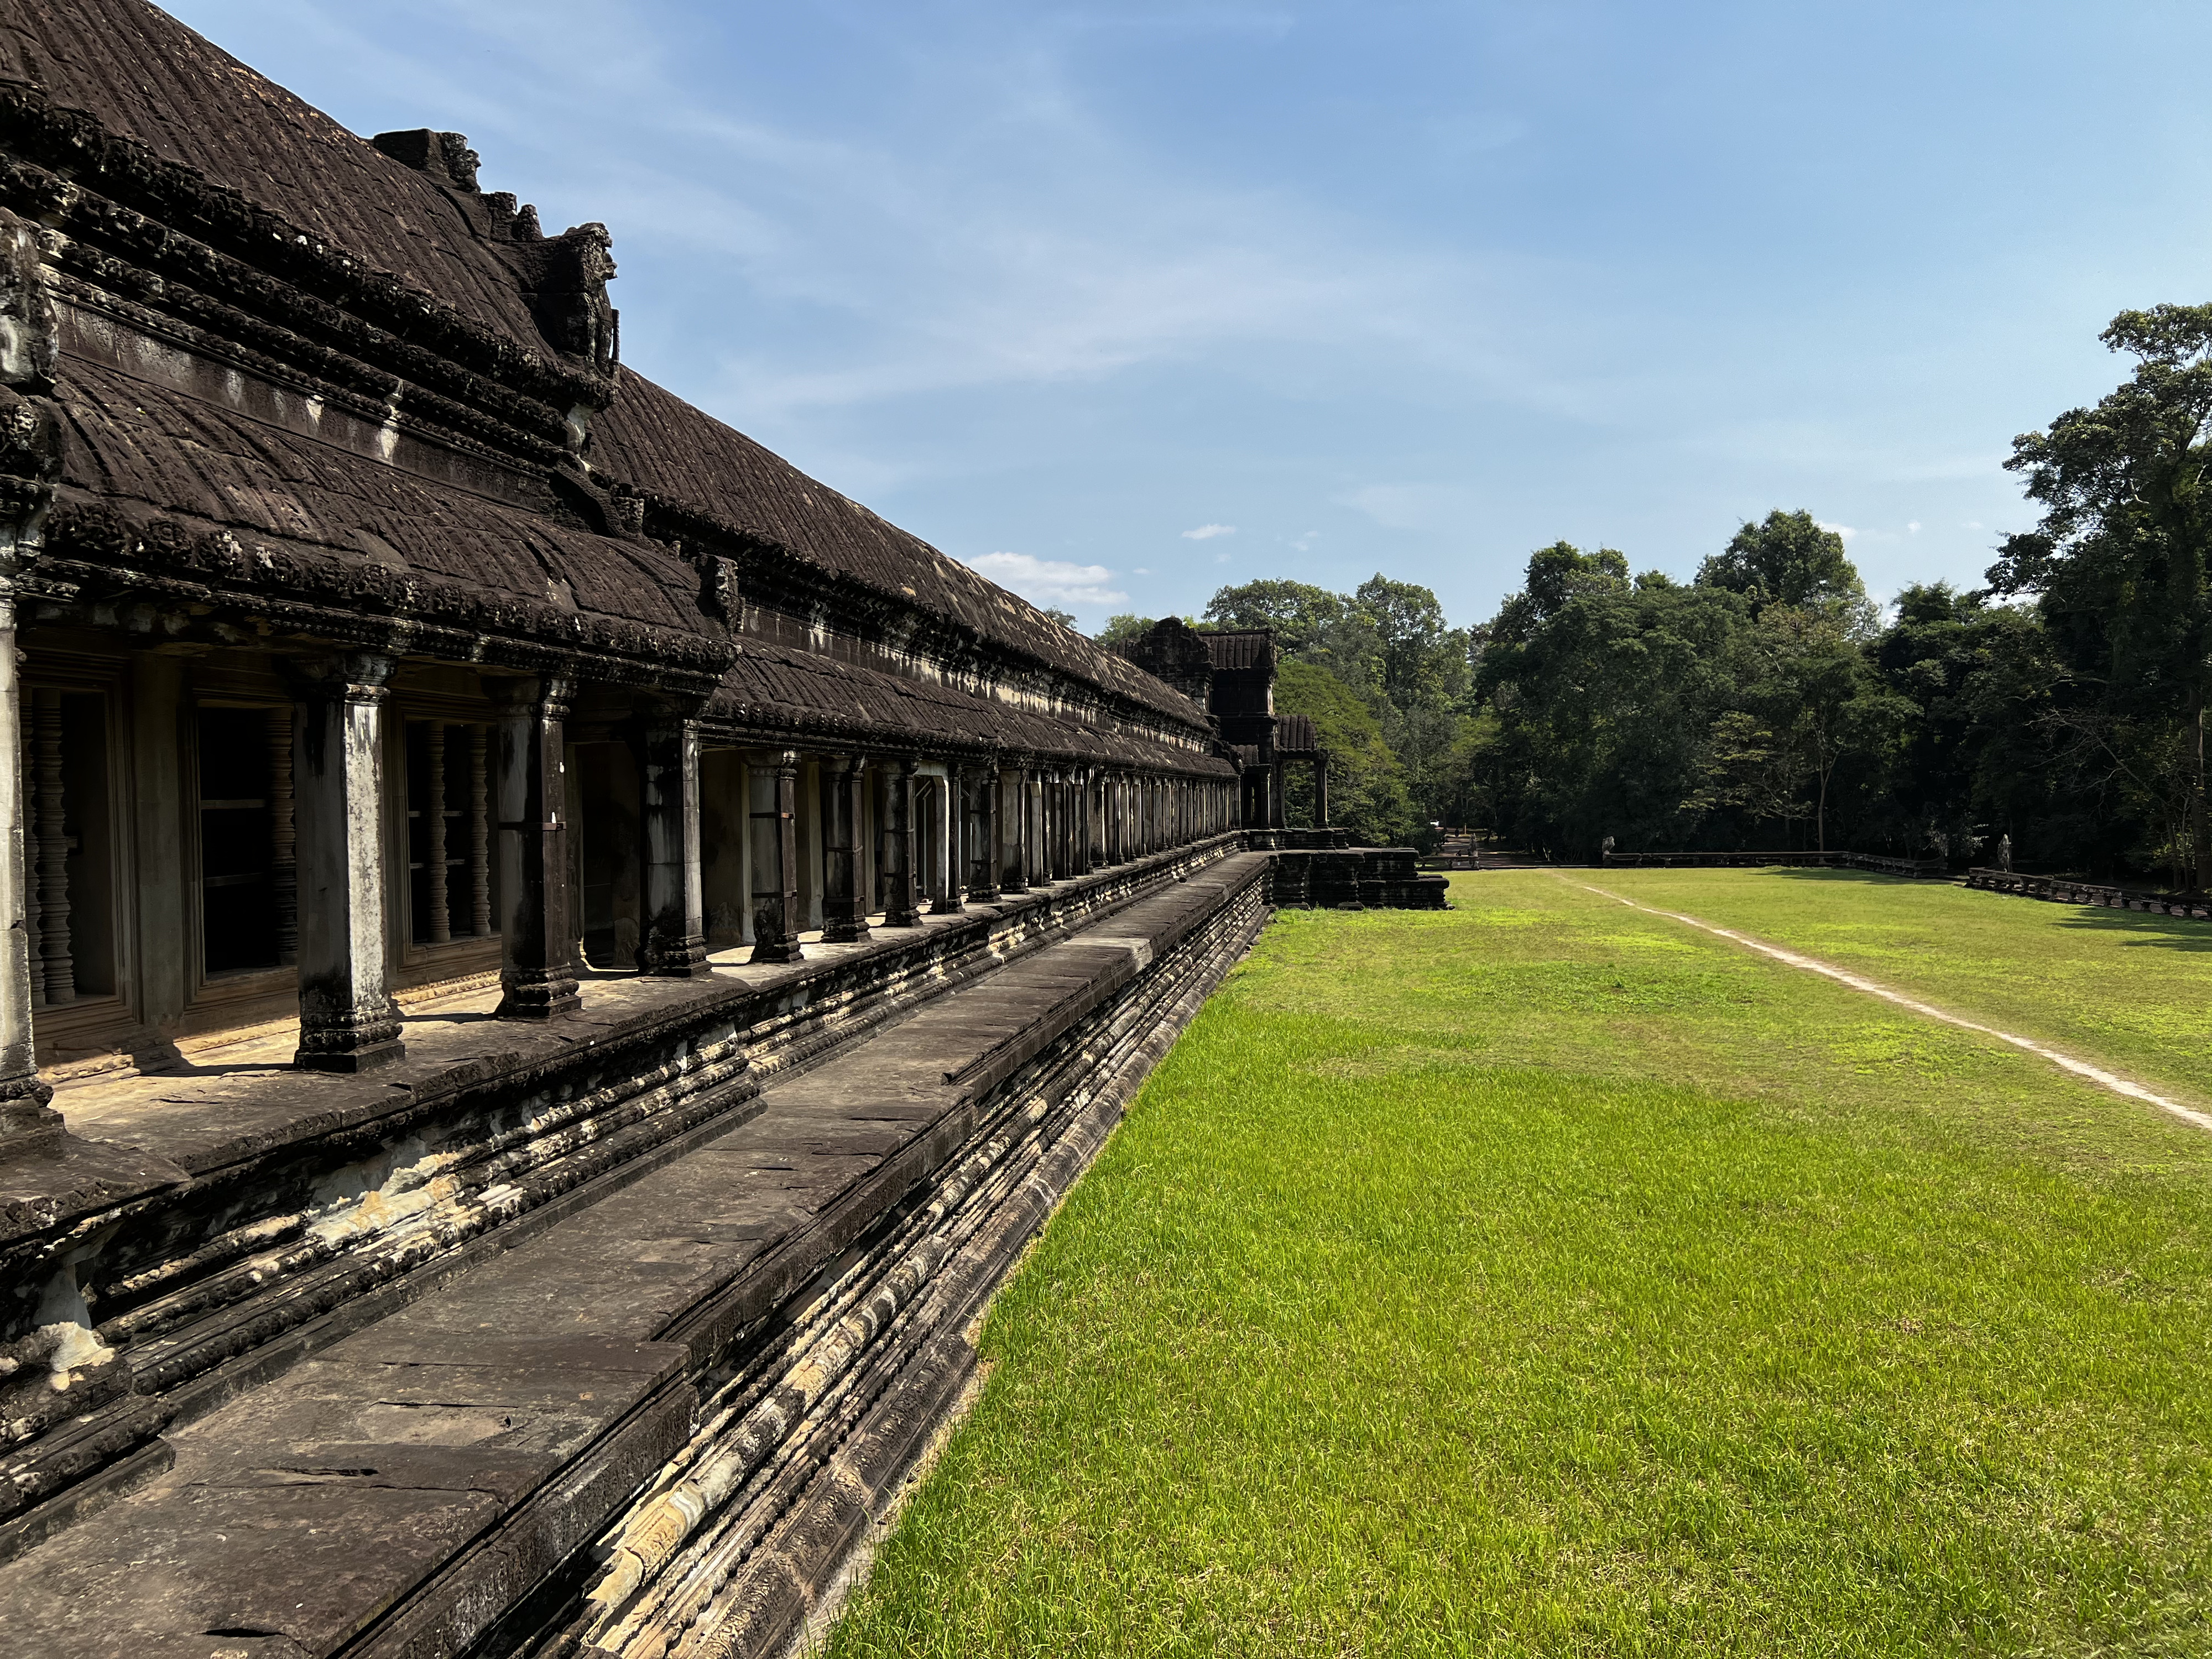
(410, 1485)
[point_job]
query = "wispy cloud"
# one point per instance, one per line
(1843, 530)
(1050, 582)
(1207, 532)
(1412, 506)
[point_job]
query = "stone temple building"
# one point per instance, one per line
(553, 961)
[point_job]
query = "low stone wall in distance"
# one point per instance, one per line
(1874, 862)
(2065, 890)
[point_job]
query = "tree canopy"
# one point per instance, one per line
(1767, 703)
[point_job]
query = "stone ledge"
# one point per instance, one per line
(461, 1536)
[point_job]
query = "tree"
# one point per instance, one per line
(1065, 618)
(1298, 612)
(1604, 693)
(1367, 788)
(2121, 563)
(1789, 560)
(1821, 697)
(1122, 629)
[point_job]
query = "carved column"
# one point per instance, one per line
(348, 1021)
(479, 834)
(984, 863)
(1013, 815)
(947, 877)
(26, 1120)
(774, 823)
(530, 789)
(902, 905)
(58, 971)
(844, 905)
(1040, 856)
(672, 945)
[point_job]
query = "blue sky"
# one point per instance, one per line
(1122, 301)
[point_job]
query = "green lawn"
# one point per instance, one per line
(2135, 990)
(1546, 1278)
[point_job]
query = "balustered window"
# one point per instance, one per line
(69, 855)
(449, 832)
(249, 872)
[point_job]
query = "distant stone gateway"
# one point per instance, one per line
(554, 961)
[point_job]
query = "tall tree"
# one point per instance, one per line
(1787, 560)
(2122, 564)
(1298, 612)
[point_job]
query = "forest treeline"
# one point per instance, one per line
(1767, 703)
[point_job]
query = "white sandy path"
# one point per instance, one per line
(2081, 1068)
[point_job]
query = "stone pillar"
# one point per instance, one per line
(774, 819)
(529, 800)
(1277, 819)
(672, 943)
(1013, 790)
(1052, 802)
(844, 905)
(348, 1021)
(1040, 858)
(1321, 792)
(27, 1122)
(902, 901)
(947, 875)
(983, 865)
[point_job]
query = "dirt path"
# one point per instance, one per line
(2081, 1068)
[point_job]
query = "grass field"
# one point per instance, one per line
(1547, 1278)
(2133, 989)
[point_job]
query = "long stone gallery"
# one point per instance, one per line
(554, 961)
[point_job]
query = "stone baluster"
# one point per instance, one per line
(844, 905)
(479, 834)
(283, 840)
(537, 960)
(774, 818)
(433, 836)
(56, 969)
(348, 1021)
(673, 944)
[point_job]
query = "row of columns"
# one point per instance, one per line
(999, 829)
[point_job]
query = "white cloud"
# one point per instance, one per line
(1913, 526)
(1207, 532)
(1843, 530)
(1049, 581)
(1141, 570)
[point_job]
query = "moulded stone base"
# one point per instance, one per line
(542, 998)
(781, 950)
(685, 959)
(365, 1058)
